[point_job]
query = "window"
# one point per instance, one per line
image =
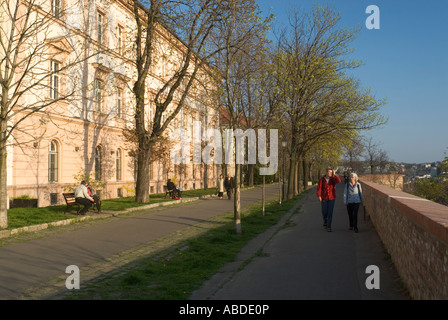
(54, 80)
(53, 199)
(120, 103)
(98, 160)
(120, 34)
(118, 164)
(56, 8)
(100, 27)
(53, 162)
(99, 95)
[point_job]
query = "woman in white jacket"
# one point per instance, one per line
(353, 199)
(220, 187)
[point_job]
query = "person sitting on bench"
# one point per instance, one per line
(82, 197)
(96, 198)
(175, 192)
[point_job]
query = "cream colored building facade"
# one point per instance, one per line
(84, 133)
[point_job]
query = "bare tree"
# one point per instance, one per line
(189, 25)
(37, 57)
(353, 152)
(243, 38)
(375, 157)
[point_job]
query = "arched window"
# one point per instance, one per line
(118, 164)
(98, 161)
(53, 162)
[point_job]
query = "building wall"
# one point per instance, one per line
(78, 126)
(415, 234)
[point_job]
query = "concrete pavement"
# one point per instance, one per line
(35, 269)
(300, 260)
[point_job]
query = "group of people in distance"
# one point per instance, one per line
(86, 196)
(224, 184)
(326, 192)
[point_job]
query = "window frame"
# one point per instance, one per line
(118, 164)
(56, 8)
(99, 94)
(119, 106)
(55, 79)
(53, 159)
(100, 16)
(120, 37)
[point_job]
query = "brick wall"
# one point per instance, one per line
(415, 234)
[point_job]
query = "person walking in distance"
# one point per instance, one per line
(326, 192)
(82, 197)
(228, 185)
(353, 199)
(220, 186)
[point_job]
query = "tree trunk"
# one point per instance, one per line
(250, 175)
(292, 171)
(143, 158)
(3, 186)
(263, 195)
(296, 180)
(305, 174)
(237, 200)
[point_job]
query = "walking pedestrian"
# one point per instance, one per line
(326, 192)
(220, 187)
(228, 185)
(353, 199)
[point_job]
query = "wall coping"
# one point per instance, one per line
(430, 215)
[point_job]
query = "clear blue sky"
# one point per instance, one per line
(405, 62)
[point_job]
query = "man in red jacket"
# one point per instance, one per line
(326, 192)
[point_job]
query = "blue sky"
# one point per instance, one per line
(405, 62)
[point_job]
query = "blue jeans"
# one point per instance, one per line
(327, 211)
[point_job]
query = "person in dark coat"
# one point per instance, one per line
(229, 185)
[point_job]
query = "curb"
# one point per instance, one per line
(43, 226)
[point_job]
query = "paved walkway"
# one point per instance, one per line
(300, 260)
(35, 269)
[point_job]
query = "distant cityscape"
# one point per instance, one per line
(410, 171)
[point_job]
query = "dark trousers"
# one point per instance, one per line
(229, 193)
(97, 202)
(86, 203)
(352, 209)
(327, 211)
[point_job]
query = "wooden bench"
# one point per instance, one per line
(168, 192)
(71, 202)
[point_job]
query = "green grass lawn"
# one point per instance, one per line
(177, 272)
(22, 217)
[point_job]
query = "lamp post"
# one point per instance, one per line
(284, 143)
